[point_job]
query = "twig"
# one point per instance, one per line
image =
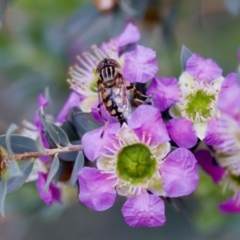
(23, 156)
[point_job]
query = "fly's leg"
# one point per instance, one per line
(104, 119)
(137, 93)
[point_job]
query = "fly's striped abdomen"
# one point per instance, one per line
(114, 101)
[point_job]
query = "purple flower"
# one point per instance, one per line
(227, 176)
(132, 160)
(53, 193)
(42, 102)
(139, 65)
(229, 96)
(194, 98)
(73, 100)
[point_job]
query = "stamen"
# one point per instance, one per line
(143, 136)
(100, 54)
(149, 139)
(28, 125)
(106, 155)
(109, 149)
(84, 63)
(90, 60)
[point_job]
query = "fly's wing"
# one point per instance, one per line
(122, 100)
(127, 112)
(101, 108)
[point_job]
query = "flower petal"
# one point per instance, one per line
(144, 210)
(179, 173)
(53, 193)
(87, 103)
(96, 189)
(130, 35)
(205, 69)
(156, 187)
(201, 129)
(162, 150)
(216, 84)
(73, 100)
(182, 132)
(205, 160)
(175, 111)
(229, 96)
(164, 92)
(93, 142)
(186, 83)
(140, 65)
(213, 136)
(147, 119)
(229, 206)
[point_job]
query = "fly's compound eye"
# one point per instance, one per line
(106, 62)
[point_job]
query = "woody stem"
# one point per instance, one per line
(48, 152)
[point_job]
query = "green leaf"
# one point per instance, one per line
(70, 130)
(10, 130)
(19, 144)
(16, 182)
(78, 165)
(56, 133)
(3, 191)
(14, 170)
(52, 172)
(83, 122)
(40, 145)
(185, 55)
(63, 138)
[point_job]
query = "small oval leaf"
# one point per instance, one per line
(10, 130)
(185, 55)
(3, 191)
(84, 122)
(16, 182)
(70, 130)
(14, 170)
(55, 132)
(19, 143)
(52, 172)
(63, 138)
(78, 165)
(40, 145)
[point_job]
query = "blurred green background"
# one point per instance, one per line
(39, 41)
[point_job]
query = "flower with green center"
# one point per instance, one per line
(225, 142)
(138, 65)
(192, 100)
(136, 161)
(228, 177)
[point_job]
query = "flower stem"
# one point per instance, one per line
(48, 152)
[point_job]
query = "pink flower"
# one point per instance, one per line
(133, 160)
(138, 65)
(192, 100)
(224, 176)
(53, 193)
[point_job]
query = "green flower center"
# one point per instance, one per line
(135, 164)
(199, 103)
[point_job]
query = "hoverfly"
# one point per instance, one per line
(113, 90)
